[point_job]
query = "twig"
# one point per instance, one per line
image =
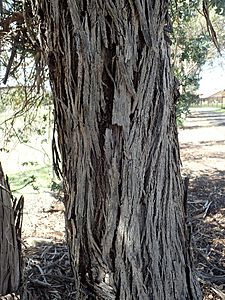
(211, 278)
(209, 263)
(5, 189)
(42, 273)
(218, 292)
(207, 209)
(29, 182)
(41, 283)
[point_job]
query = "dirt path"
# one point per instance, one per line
(204, 136)
(202, 142)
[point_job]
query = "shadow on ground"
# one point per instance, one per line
(202, 143)
(204, 119)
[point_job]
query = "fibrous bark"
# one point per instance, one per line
(10, 238)
(115, 114)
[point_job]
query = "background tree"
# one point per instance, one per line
(25, 96)
(22, 87)
(192, 46)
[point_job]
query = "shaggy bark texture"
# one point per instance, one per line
(10, 237)
(115, 116)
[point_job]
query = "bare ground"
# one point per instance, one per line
(202, 143)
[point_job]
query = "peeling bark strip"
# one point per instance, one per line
(113, 93)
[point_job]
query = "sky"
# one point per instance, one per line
(212, 77)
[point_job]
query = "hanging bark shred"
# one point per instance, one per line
(113, 91)
(10, 237)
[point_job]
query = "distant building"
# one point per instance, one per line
(217, 99)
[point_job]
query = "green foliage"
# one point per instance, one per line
(35, 178)
(11, 98)
(56, 186)
(183, 108)
(25, 102)
(26, 131)
(192, 46)
(219, 6)
(221, 110)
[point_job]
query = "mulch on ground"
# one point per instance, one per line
(47, 273)
(207, 221)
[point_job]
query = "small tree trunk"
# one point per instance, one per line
(10, 234)
(113, 91)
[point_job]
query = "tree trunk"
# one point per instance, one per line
(114, 97)
(10, 235)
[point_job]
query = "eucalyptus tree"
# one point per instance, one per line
(114, 97)
(114, 102)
